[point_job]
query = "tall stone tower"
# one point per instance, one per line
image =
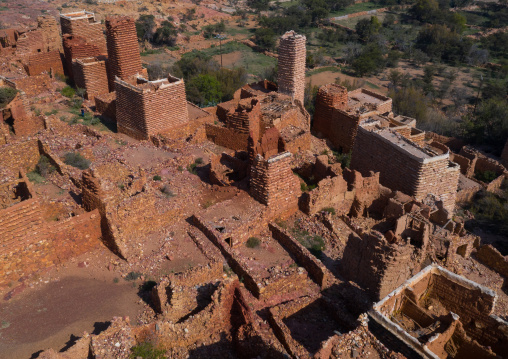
(292, 53)
(123, 50)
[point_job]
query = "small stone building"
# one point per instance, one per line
(405, 166)
(145, 108)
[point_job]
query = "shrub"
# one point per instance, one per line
(157, 178)
(198, 161)
(68, 91)
(7, 94)
(147, 350)
(485, 176)
(330, 210)
(192, 169)
(75, 159)
(95, 121)
(166, 190)
(35, 177)
(44, 166)
(133, 276)
(253, 242)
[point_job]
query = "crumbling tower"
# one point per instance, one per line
(123, 49)
(145, 108)
(83, 23)
(291, 77)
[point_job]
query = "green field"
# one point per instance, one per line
(365, 6)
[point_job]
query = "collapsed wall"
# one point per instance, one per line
(291, 64)
(148, 108)
(123, 49)
(405, 166)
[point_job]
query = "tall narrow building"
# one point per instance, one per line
(291, 77)
(124, 59)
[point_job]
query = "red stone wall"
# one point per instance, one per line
(399, 170)
(92, 32)
(491, 257)
(225, 137)
(52, 244)
(77, 47)
(91, 75)
(273, 183)
(291, 62)
(317, 271)
(123, 48)
(142, 112)
(106, 105)
(50, 62)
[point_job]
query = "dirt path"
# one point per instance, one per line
(48, 317)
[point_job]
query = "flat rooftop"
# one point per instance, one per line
(78, 15)
(363, 100)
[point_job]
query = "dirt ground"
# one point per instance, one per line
(229, 59)
(64, 303)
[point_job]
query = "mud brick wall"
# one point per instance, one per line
(491, 257)
(78, 47)
(30, 43)
(92, 32)
(106, 105)
(454, 143)
(54, 244)
(299, 143)
(142, 112)
(48, 25)
(376, 265)
(91, 75)
(245, 118)
(238, 266)
(273, 183)
(123, 48)
(225, 137)
(331, 192)
(291, 63)
(337, 126)
(20, 225)
(22, 154)
(474, 308)
(402, 171)
(45, 62)
(314, 267)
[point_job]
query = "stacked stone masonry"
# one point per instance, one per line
(50, 62)
(273, 183)
(406, 167)
(123, 49)
(291, 62)
(83, 24)
(77, 47)
(91, 75)
(150, 107)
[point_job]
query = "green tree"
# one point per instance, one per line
(370, 60)
(165, 34)
(144, 27)
(205, 90)
(367, 28)
(265, 38)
